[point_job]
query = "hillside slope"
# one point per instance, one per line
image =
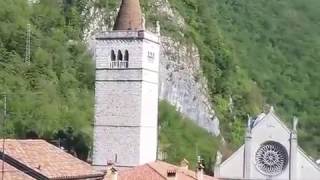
(252, 53)
(52, 96)
(55, 90)
(254, 48)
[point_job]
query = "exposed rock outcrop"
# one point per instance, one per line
(182, 83)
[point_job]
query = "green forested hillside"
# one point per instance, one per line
(255, 49)
(256, 52)
(55, 90)
(181, 138)
(52, 97)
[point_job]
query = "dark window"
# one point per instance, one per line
(120, 58)
(113, 55)
(126, 56)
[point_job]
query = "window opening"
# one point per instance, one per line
(113, 55)
(120, 58)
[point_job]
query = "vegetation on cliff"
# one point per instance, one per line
(257, 53)
(52, 97)
(181, 138)
(55, 90)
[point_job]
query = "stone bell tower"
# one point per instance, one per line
(126, 91)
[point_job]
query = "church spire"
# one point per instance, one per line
(129, 16)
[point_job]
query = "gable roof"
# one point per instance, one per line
(308, 158)
(11, 173)
(239, 152)
(158, 171)
(45, 161)
(263, 117)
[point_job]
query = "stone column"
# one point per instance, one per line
(247, 155)
(293, 156)
(217, 164)
(293, 151)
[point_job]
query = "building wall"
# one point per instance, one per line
(126, 100)
(269, 128)
(233, 164)
(306, 169)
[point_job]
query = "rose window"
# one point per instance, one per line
(271, 158)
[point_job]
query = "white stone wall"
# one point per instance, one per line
(117, 144)
(232, 167)
(306, 168)
(126, 108)
(118, 103)
(104, 47)
(268, 127)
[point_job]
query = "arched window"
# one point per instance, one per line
(126, 55)
(113, 55)
(120, 58)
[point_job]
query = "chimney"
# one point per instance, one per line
(112, 173)
(184, 164)
(171, 174)
(110, 164)
(200, 169)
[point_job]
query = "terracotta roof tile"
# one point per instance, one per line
(182, 173)
(11, 173)
(140, 173)
(157, 171)
(47, 159)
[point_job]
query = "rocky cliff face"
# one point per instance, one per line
(182, 83)
(181, 80)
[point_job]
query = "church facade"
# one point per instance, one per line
(270, 151)
(126, 91)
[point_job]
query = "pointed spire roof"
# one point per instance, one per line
(129, 16)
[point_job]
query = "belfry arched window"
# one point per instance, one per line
(126, 55)
(119, 60)
(113, 55)
(120, 57)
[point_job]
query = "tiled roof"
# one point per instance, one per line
(46, 161)
(157, 171)
(11, 173)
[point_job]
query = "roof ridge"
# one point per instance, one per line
(23, 167)
(308, 157)
(148, 164)
(276, 117)
(233, 155)
(280, 121)
(23, 161)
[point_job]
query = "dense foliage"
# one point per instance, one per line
(54, 90)
(254, 48)
(253, 52)
(52, 96)
(181, 138)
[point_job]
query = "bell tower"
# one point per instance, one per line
(126, 91)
